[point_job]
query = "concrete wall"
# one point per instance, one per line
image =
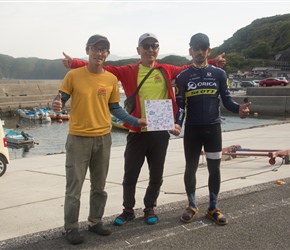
(268, 91)
(27, 94)
(32, 93)
(265, 105)
(266, 100)
(28, 87)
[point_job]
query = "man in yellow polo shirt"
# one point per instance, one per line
(94, 95)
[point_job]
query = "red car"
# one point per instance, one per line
(273, 82)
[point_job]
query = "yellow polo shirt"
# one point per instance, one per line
(90, 95)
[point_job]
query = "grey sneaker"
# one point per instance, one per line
(74, 237)
(100, 229)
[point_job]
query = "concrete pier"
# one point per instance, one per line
(33, 190)
(30, 93)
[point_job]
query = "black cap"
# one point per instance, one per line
(98, 38)
(199, 38)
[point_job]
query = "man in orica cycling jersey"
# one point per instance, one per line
(197, 95)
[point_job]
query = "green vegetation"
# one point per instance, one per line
(252, 46)
(256, 44)
(31, 68)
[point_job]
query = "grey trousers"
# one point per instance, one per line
(83, 153)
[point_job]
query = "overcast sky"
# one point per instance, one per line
(44, 29)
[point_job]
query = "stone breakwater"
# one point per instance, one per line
(15, 94)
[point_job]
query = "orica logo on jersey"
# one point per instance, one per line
(193, 85)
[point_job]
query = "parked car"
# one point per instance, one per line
(256, 83)
(4, 153)
(273, 82)
(282, 78)
(245, 84)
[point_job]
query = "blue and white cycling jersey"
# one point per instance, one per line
(198, 93)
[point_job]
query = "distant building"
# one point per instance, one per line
(270, 72)
(244, 73)
(281, 68)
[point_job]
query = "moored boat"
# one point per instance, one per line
(16, 137)
(34, 115)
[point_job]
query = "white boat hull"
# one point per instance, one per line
(32, 115)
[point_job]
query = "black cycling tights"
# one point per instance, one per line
(196, 137)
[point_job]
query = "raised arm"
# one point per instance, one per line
(71, 63)
(220, 61)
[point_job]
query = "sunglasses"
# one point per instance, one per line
(203, 47)
(99, 50)
(154, 46)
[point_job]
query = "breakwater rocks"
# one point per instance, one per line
(31, 93)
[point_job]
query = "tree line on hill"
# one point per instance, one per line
(252, 46)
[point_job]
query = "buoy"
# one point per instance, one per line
(256, 114)
(59, 120)
(278, 182)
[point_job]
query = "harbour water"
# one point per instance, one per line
(50, 137)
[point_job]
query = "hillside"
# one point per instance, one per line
(30, 68)
(252, 46)
(262, 39)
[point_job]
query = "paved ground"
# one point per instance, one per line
(32, 194)
(257, 214)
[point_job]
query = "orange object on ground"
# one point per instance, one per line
(278, 182)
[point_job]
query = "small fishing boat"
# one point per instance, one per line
(117, 123)
(34, 115)
(17, 138)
